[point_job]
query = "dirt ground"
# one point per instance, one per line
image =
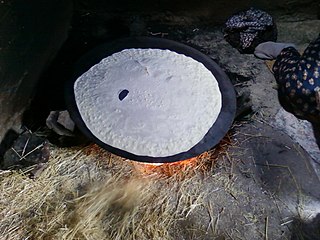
(259, 184)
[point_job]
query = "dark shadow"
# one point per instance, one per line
(316, 131)
(302, 230)
(7, 143)
(66, 141)
(87, 32)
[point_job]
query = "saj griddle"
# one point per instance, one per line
(210, 139)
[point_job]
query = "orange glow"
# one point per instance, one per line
(159, 165)
(170, 169)
(203, 162)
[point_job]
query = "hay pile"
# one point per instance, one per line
(88, 193)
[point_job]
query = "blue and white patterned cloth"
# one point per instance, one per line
(246, 29)
(298, 77)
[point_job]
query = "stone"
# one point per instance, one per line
(65, 120)
(301, 131)
(28, 150)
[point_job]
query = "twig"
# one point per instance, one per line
(158, 33)
(266, 229)
(25, 146)
(296, 148)
(35, 149)
(211, 218)
(233, 196)
(192, 207)
(287, 222)
(2, 172)
(229, 235)
(217, 221)
(16, 152)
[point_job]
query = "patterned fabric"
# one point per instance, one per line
(244, 29)
(298, 78)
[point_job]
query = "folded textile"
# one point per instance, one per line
(245, 30)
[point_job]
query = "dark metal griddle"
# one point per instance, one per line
(215, 133)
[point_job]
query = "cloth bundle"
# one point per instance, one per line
(245, 30)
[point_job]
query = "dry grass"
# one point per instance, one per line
(90, 194)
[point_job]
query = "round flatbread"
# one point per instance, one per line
(148, 102)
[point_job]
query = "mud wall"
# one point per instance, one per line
(31, 32)
(213, 10)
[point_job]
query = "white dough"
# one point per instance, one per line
(172, 103)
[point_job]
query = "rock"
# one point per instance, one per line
(65, 120)
(282, 166)
(252, 79)
(64, 132)
(27, 150)
(242, 67)
(301, 131)
(61, 123)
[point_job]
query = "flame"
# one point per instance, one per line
(203, 162)
(169, 169)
